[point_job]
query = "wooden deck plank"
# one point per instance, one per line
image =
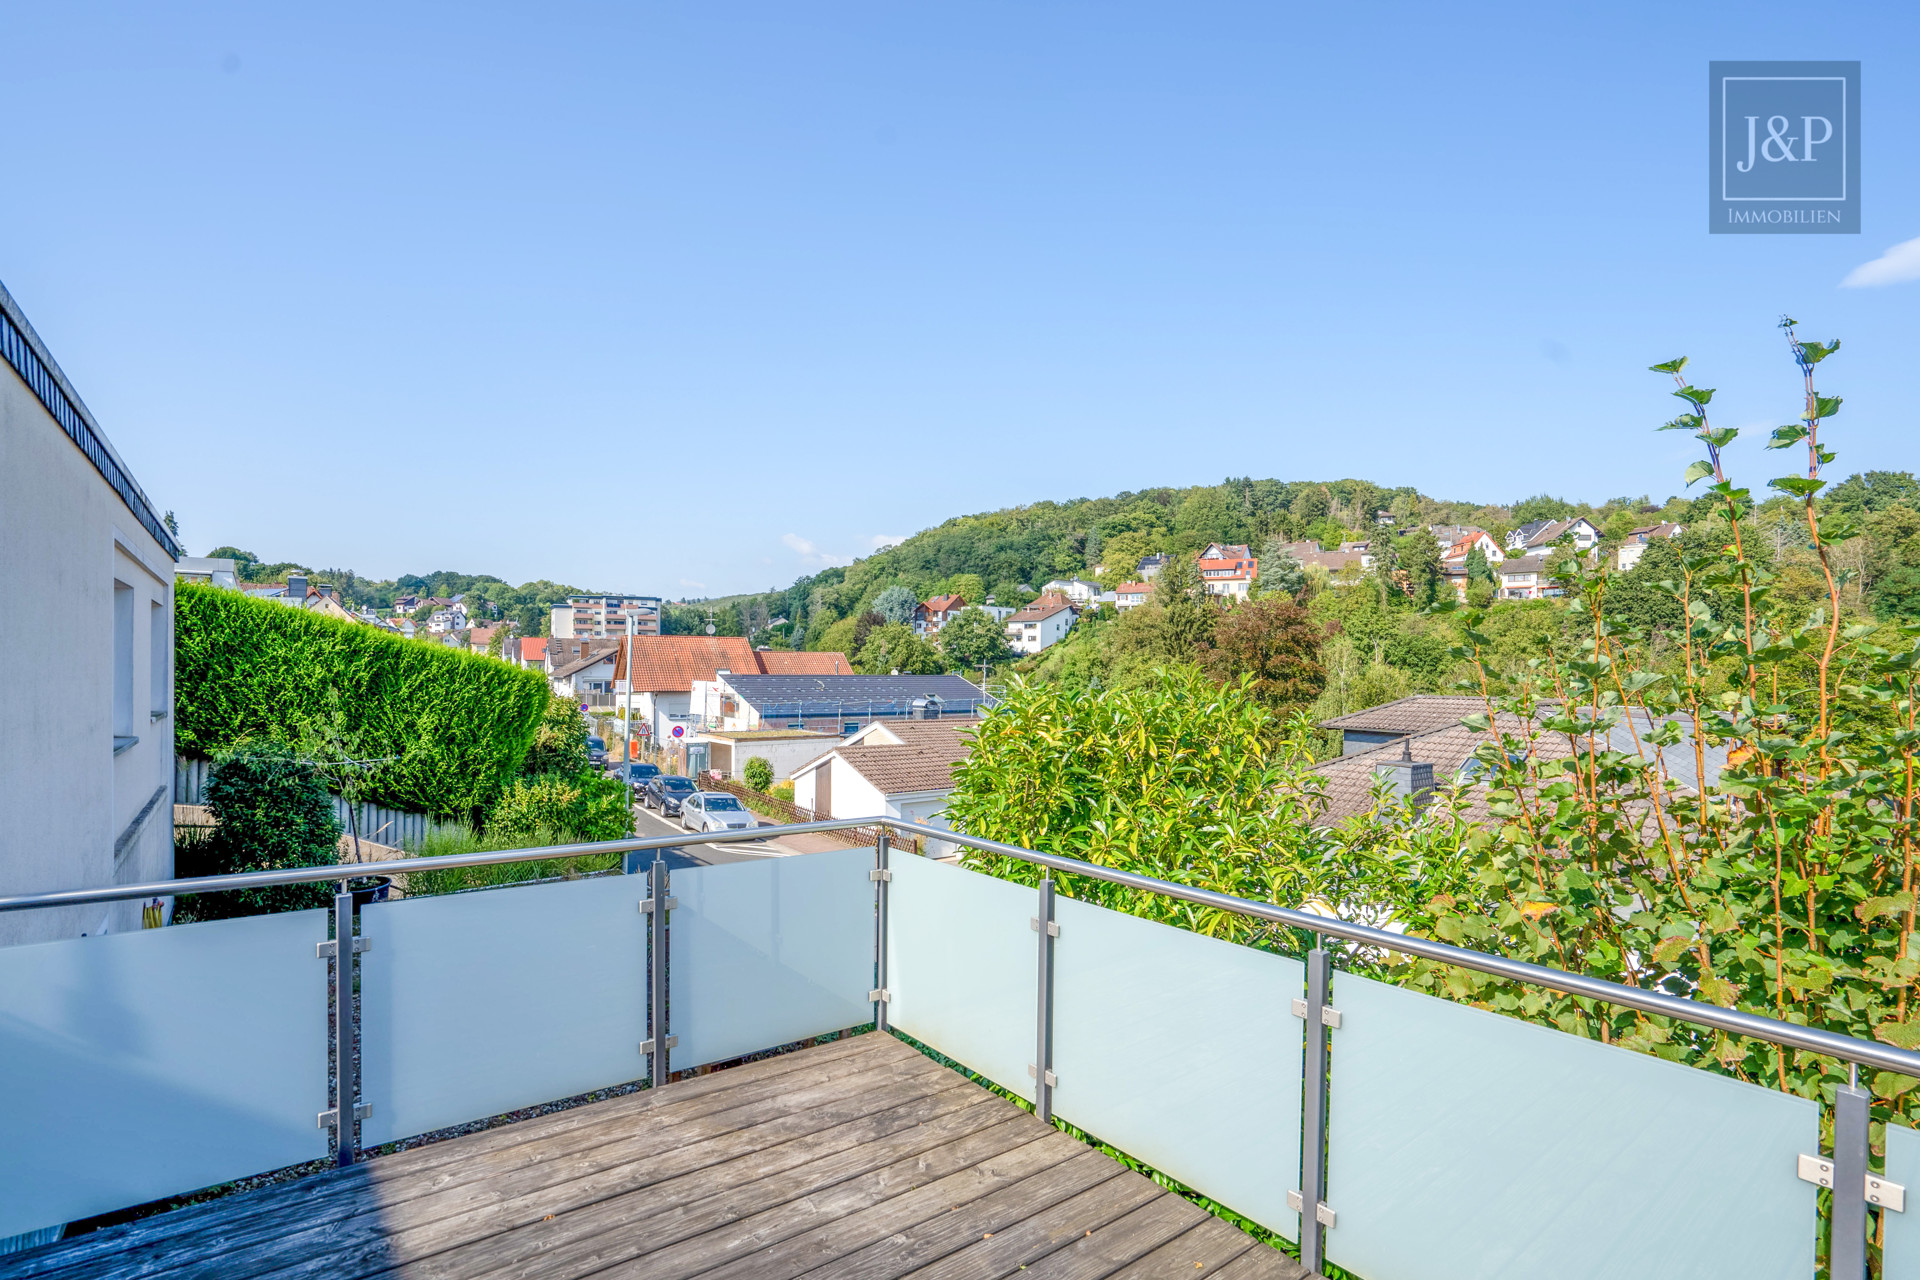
(907, 1250)
(1122, 1241)
(380, 1187)
(848, 1232)
(628, 1197)
(860, 1159)
(1264, 1263)
(702, 1095)
(1010, 1252)
(624, 1227)
(1203, 1250)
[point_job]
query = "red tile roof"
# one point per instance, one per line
(945, 604)
(1045, 607)
(533, 648)
(670, 664)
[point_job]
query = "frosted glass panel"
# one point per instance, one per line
(767, 952)
(1464, 1144)
(1901, 1260)
(962, 964)
(477, 1003)
(140, 1065)
(1182, 1051)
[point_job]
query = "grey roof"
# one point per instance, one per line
(1416, 713)
(831, 695)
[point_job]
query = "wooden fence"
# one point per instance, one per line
(378, 824)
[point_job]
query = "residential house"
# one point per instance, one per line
(732, 701)
(998, 612)
(1228, 570)
(1526, 578)
(1341, 564)
(587, 680)
(1542, 536)
(1043, 623)
(86, 694)
(1385, 519)
(663, 670)
(784, 750)
(1081, 593)
(1441, 755)
(1151, 565)
(1638, 540)
(606, 615)
(896, 769)
(296, 593)
(215, 571)
(480, 639)
(531, 652)
(1420, 713)
(931, 615)
(451, 618)
(1460, 542)
(1131, 595)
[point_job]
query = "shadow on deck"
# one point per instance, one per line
(857, 1158)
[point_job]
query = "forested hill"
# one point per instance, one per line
(1007, 553)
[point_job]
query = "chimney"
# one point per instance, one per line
(297, 586)
(1412, 779)
(324, 588)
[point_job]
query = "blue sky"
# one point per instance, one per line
(693, 299)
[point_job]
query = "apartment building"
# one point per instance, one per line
(601, 616)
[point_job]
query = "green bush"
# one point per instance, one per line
(583, 807)
(447, 838)
(782, 791)
(456, 724)
(274, 814)
(560, 741)
(758, 773)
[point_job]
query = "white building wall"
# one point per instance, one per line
(67, 539)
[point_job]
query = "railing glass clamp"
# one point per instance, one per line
(1322, 1213)
(646, 1046)
(1053, 926)
(879, 995)
(1329, 1016)
(879, 875)
(328, 950)
(646, 905)
(1033, 1073)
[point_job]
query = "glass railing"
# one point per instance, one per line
(1400, 1136)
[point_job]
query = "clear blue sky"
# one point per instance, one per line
(692, 298)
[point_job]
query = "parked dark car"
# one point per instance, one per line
(596, 750)
(639, 775)
(666, 792)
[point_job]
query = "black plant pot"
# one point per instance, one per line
(367, 889)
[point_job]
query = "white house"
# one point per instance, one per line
(451, 618)
(1081, 593)
(897, 769)
(1541, 536)
(665, 669)
(1526, 578)
(1043, 623)
(215, 571)
(785, 750)
(1637, 542)
(86, 696)
(1131, 595)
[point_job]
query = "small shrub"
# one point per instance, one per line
(273, 813)
(581, 807)
(449, 838)
(782, 791)
(559, 743)
(758, 773)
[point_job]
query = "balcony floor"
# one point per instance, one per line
(857, 1158)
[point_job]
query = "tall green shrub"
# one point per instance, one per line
(559, 742)
(450, 727)
(274, 814)
(583, 807)
(758, 773)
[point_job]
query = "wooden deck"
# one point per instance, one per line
(857, 1158)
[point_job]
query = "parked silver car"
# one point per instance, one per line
(714, 811)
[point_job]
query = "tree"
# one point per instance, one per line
(1478, 568)
(1186, 612)
(1279, 571)
(894, 647)
(1274, 641)
(968, 586)
(896, 604)
(273, 814)
(757, 773)
(972, 637)
(243, 561)
(1418, 555)
(1542, 507)
(1872, 491)
(863, 626)
(559, 744)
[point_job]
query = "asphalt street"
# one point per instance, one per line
(648, 823)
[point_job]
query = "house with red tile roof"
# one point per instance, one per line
(663, 670)
(1044, 622)
(931, 615)
(1228, 569)
(533, 652)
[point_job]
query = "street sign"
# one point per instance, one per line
(679, 731)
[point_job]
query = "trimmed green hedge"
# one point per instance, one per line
(250, 668)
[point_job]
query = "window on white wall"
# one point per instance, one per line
(122, 661)
(160, 648)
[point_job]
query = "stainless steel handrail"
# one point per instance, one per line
(1867, 1053)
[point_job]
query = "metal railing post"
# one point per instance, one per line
(1043, 1077)
(882, 876)
(659, 1042)
(346, 1027)
(1847, 1247)
(1313, 1115)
